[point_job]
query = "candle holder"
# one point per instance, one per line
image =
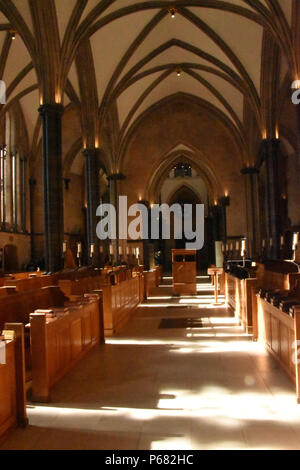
(295, 244)
(79, 252)
(64, 252)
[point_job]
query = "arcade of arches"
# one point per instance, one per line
(189, 102)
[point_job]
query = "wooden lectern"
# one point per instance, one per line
(184, 272)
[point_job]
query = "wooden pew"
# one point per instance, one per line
(271, 280)
(279, 332)
(57, 344)
(31, 283)
(12, 383)
(150, 282)
(159, 275)
(241, 293)
(17, 307)
(119, 300)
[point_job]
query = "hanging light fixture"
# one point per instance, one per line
(172, 11)
(178, 71)
(12, 34)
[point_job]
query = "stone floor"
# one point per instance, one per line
(208, 387)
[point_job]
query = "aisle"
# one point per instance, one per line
(180, 375)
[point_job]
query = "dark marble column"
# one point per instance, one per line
(23, 195)
(250, 174)
(93, 201)
(271, 156)
(114, 180)
(224, 202)
(216, 222)
(146, 242)
(32, 185)
(51, 115)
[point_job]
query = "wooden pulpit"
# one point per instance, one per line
(184, 272)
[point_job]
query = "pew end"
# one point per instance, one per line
(297, 350)
(20, 373)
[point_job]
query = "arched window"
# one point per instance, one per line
(12, 181)
(182, 170)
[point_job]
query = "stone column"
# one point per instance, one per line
(10, 133)
(224, 202)
(271, 155)
(23, 194)
(114, 180)
(93, 201)
(32, 184)
(215, 216)
(250, 174)
(146, 242)
(19, 192)
(51, 115)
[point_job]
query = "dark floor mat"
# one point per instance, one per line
(180, 323)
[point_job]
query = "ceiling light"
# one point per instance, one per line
(178, 72)
(172, 11)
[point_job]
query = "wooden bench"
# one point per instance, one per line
(279, 332)
(12, 383)
(159, 275)
(31, 283)
(119, 300)
(57, 344)
(17, 307)
(241, 293)
(150, 282)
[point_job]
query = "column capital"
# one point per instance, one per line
(273, 141)
(88, 152)
(145, 202)
(116, 177)
(224, 201)
(249, 170)
(51, 108)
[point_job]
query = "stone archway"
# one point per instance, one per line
(187, 195)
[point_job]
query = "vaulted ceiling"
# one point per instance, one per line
(120, 57)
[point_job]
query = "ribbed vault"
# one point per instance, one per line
(114, 60)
